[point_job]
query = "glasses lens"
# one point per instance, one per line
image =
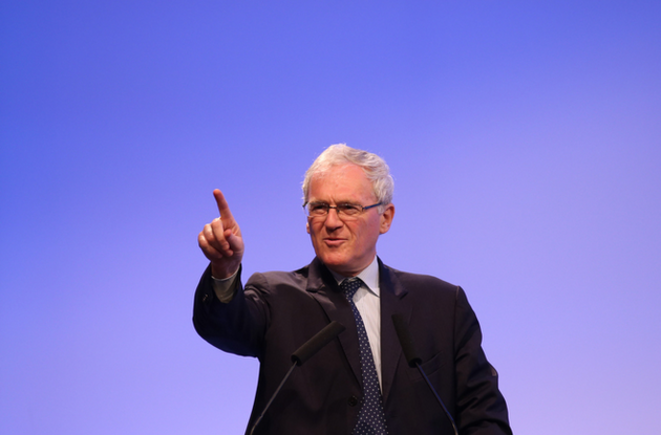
(349, 209)
(317, 209)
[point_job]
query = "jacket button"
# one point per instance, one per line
(353, 401)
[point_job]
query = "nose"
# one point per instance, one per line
(333, 220)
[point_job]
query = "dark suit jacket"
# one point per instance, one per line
(279, 311)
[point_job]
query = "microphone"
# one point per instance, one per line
(405, 340)
(302, 354)
(414, 360)
(314, 345)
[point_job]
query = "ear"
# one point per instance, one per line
(386, 218)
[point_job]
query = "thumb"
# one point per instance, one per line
(235, 241)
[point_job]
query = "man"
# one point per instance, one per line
(360, 383)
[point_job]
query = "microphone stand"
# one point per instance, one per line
(277, 390)
(302, 354)
(414, 360)
(440, 402)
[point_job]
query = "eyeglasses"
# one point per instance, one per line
(345, 210)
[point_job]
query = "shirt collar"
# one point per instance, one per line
(369, 276)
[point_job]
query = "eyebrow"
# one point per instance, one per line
(336, 203)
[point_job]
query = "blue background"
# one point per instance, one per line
(525, 142)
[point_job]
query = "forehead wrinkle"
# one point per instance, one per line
(335, 178)
(347, 201)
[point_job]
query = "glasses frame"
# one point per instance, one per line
(340, 213)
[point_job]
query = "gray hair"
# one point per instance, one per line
(375, 168)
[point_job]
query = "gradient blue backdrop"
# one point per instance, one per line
(525, 142)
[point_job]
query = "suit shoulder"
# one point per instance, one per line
(275, 279)
(423, 282)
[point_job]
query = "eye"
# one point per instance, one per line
(318, 208)
(349, 209)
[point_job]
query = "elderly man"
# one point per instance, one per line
(360, 383)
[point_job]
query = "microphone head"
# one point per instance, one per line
(314, 345)
(405, 340)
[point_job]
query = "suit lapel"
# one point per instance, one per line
(323, 287)
(393, 301)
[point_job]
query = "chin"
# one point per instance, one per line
(332, 261)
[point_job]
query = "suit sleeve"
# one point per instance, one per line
(480, 407)
(237, 326)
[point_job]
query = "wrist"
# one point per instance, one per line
(223, 272)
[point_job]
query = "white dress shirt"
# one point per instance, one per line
(368, 302)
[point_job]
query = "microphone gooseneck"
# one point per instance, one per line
(302, 354)
(414, 360)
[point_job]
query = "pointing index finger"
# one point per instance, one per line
(223, 207)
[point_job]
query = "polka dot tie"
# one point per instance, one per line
(371, 420)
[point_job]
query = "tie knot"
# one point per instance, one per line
(350, 286)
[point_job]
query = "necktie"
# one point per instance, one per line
(371, 420)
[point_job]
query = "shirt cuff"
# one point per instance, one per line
(224, 288)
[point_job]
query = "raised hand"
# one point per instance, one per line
(221, 241)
